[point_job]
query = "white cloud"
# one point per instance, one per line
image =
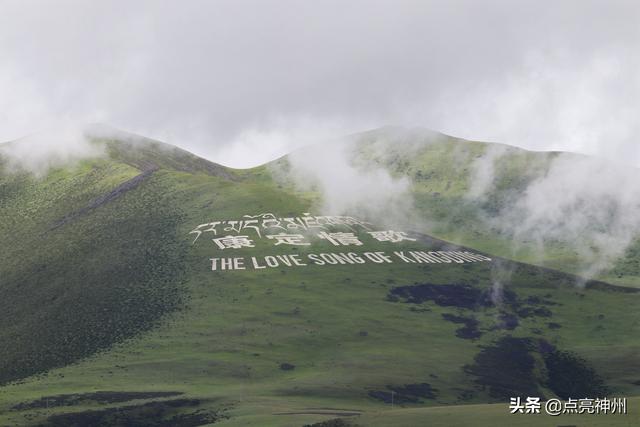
(50, 148)
(211, 76)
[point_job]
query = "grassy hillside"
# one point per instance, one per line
(111, 314)
(454, 202)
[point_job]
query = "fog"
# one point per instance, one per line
(242, 82)
(52, 147)
(590, 205)
(346, 188)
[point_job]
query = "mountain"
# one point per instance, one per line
(141, 285)
(516, 203)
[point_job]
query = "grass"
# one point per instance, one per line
(120, 300)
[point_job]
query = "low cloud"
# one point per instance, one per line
(483, 171)
(588, 205)
(217, 77)
(50, 148)
(347, 187)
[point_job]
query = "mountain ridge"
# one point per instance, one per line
(117, 315)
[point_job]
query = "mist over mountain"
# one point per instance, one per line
(295, 213)
(395, 262)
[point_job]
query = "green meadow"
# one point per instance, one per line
(111, 314)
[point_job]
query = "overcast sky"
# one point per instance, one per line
(241, 82)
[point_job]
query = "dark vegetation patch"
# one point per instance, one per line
(471, 297)
(448, 295)
(336, 422)
(508, 321)
(545, 346)
(465, 395)
(102, 397)
(454, 318)
(602, 286)
(537, 300)
(506, 369)
(470, 328)
(469, 331)
(467, 296)
(409, 393)
(287, 366)
(153, 414)
(322, 411)
(571, 376)
(525, 312)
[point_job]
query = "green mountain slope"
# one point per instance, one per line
(467, 191)
(110, 312)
